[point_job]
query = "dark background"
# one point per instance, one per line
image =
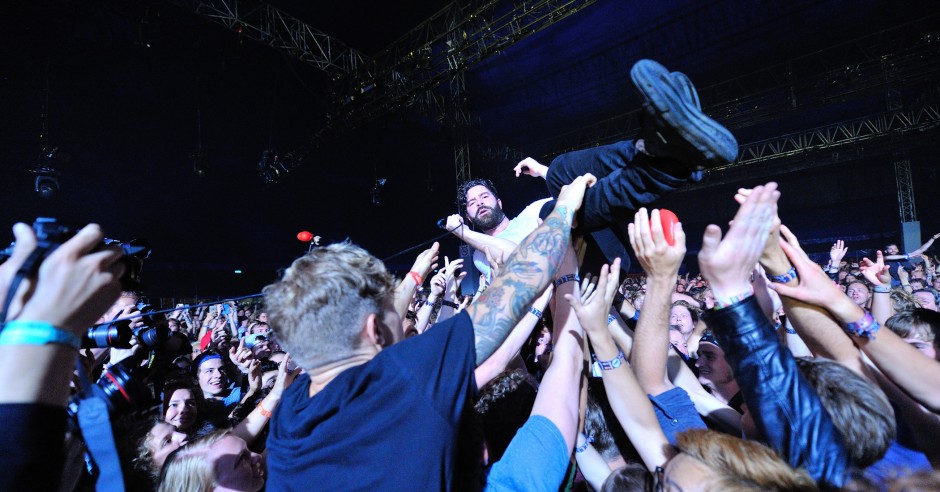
(125, 80)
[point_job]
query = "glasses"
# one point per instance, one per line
(658, 479)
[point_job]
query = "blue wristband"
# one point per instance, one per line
(567, 278)
(536, 312)
(786, 277)
(611, 318)
(18, 332)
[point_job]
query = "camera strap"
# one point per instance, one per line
(95, 423)
(29, 268)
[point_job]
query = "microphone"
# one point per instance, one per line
(442, 223)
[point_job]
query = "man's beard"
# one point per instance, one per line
(491, 220)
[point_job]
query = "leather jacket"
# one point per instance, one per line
(785, 408)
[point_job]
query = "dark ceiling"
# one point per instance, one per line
(133, 88)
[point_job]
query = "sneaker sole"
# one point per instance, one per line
(688, 88)
(659, 89)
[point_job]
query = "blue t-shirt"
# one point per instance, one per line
(393, 423)
(675, 412)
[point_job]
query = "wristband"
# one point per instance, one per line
(18, 332)
(881, 289)
(587, 441)
(567, 278)
(611, 318)
(452, 304)
(608, 365)
(786, 277)
(416, 277)
(721, 303)
(536, 312)
(865, 327)
(791, 331)
(264, 412)
(636, 315)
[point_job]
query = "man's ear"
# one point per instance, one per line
(499, 202)
(372, 332)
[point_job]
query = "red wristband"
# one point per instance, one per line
(417, 278)
(265, 413)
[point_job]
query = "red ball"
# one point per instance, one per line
(667, 218)
(304, 236)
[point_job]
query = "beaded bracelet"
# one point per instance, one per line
(18, 332)
(587, 441)
(865, 327)
(786, 277)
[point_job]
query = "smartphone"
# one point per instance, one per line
(226, 309)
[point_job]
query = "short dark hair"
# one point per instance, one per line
(918, 322)
(860, 411)
(504, 406)
(465, 187)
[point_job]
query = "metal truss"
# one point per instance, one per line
(455, 38)
(923, 119)
(891, 62)
(902, 173)
(268, 25)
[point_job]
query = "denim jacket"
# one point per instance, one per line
(786, 409)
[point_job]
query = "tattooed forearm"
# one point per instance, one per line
(522, 279)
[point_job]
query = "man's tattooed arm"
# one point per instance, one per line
(525, 275)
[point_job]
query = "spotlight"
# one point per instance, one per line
(47, 183)
(47, 177)
(200, 163)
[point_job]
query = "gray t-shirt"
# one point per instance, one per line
(520, 227)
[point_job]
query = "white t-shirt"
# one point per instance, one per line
(520, 227)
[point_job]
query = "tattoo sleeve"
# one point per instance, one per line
(524, 276)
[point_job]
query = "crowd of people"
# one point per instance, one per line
(765, 371)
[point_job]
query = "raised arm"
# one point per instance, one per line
(423, 265)
(527, 272)
(456, 226)
(661, 263)
(924, 247)
(627, 399)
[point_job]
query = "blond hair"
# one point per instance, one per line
(318, 307)
(739, 465)
(188, 470)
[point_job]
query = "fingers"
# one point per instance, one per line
(613, 280)
(710, 240)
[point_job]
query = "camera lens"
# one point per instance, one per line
(151, 337)
(122, 391)
(116, 335)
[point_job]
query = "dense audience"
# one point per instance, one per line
(765, 371)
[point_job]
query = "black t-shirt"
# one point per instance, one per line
(391, 424)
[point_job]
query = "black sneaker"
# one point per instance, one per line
(674, 126)
(688, 89)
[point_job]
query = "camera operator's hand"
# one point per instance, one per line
(75, 285)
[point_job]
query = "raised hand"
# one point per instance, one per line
(903, 275)
(592, 311)
(837, 252)
(654, 253)
(531, 167)
(75, 284)
(495, 257)
(727, 263)
(285, 377)
(427, 260)
(254, 375)
(876, 271)
(814, 286)
(571, 196)
(240, 356)
(588, 284)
